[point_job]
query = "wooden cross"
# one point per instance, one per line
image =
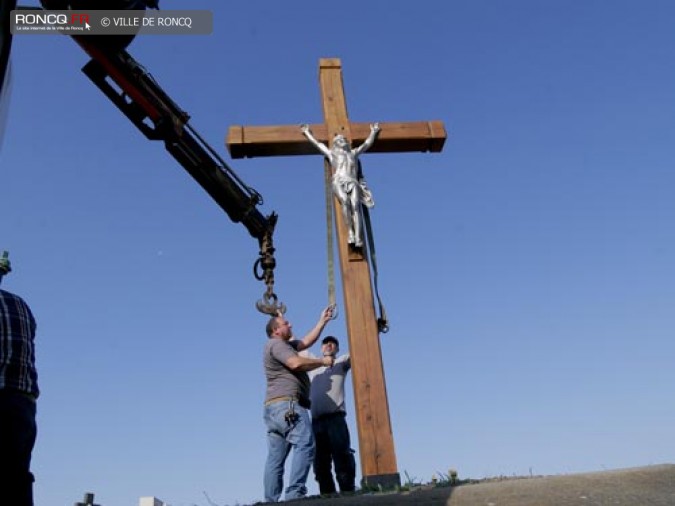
(88, 500)
(376, 444)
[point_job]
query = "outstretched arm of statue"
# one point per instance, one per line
(304, 128)
(374, 131)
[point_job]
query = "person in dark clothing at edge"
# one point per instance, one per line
(18, 393)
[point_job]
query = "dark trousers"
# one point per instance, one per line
(333, 447)
(17, 438)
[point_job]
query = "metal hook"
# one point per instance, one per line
(270, 305)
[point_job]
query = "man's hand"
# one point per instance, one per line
(327, 314)
(304, 128)
(375, 127)
(328, 361)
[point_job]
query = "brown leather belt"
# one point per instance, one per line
(301, 403)
(279, 399)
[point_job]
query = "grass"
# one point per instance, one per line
(409, 483)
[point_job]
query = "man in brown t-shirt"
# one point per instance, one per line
(287, 405)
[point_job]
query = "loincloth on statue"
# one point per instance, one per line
(348, 184)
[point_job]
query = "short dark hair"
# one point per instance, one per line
(272, 325)
(330, 339)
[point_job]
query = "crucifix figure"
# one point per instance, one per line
(376, 442)
(348, 184)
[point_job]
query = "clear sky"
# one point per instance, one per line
(527, 270)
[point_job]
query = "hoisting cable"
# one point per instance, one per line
(263, 270)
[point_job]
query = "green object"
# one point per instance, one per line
(5, 266)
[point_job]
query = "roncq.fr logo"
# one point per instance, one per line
(52, 19)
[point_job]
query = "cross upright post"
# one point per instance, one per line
(376, 443)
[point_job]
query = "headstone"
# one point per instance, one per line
(88, 500)
(150, 501)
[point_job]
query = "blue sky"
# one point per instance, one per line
(527, 270)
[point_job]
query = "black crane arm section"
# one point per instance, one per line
(140, 98)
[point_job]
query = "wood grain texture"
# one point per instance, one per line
(287, 140)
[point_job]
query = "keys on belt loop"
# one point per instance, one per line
(291, 416)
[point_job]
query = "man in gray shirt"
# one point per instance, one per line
(287, 405)
(328, 422)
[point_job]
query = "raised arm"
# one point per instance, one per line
(304, 128)
(374, 130)
(314, 334)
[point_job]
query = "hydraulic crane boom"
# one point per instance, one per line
(136, 93)
(141, 99)
(153, 112)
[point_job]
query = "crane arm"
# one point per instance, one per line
(141, 99)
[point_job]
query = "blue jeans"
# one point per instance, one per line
(281, 437)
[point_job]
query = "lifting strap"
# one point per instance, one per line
(382, 321)
(330, 248)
